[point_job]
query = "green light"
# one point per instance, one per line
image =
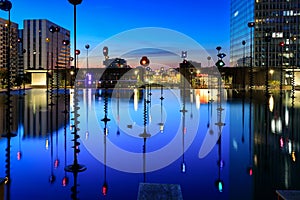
(220, 186)
(220, 63)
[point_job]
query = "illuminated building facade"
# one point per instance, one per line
(275, 34)
(4, 44)
(42, 47)
(44, 50)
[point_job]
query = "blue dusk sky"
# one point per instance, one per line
(205, 23)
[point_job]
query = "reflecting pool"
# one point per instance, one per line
(215, 145)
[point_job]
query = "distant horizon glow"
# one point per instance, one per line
(166, 46)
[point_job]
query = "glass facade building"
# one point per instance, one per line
(275, 34)
(242, 12)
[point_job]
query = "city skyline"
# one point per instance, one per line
(205, 22)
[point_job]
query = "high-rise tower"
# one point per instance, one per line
(275, 36)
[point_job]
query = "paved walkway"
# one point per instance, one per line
(288, 194)
(155, 191)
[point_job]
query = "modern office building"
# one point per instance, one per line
(20, 72)
(4, 44)
(44, 49)
(275, 38)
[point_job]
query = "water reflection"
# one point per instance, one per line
(251, 158)
(105, 120)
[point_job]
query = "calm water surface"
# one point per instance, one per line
(193, 143)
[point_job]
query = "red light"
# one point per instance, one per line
(104, 189)
(65, 181)
(77, 52)
(56, 163)
(281, 142)
(19, 155)
(145, 61)
(250, 171)
(281, 44)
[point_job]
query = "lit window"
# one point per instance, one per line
(236, 13)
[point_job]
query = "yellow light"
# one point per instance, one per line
(271, 103)
(47, 144)
(294, 156)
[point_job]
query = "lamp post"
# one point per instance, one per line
(266, 120)
(75, 3)
(87, 46)
(57, 30)
(295, 65)
(87, 75)
(267, 40)
(52, 31)
(251, 25)
(281, 44)
(77, 52)
(65, 43)
(75, 167)
(244, 61)
(220, 62)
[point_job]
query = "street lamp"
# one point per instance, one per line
(75, 167)
(251, 25)
(57, 30)
(77, 53)
(66, 43)
(244, 61)
(87, 46)
(52, 31)
(281, 44)
(87, 75)
(144, 61)
(75, 2)
(220, 62)
(267, 40)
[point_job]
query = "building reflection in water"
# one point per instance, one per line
(274, 143)
(183, 128)
(36, 119)
(269, 151)
(220, 123)
(146, 118)
(52, 177)
(161, 123)
(8, 178)
(105, 120)
(65, 179)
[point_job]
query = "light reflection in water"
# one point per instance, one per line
(35, 163)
